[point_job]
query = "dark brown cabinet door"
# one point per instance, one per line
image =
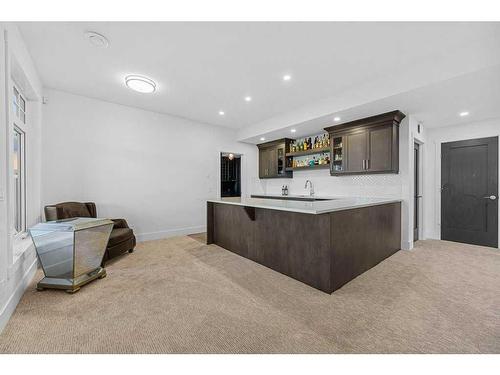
(272, 159)
(379, 156)
(268, 162)
(356, 151)
(262, 163)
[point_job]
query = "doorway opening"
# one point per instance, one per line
(230, 176)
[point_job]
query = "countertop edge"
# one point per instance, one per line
(311, 211)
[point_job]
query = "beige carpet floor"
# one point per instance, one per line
(179, 295)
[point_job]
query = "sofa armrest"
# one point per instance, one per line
(120, 223)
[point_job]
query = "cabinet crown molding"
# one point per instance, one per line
(275, 142)
(393, 116)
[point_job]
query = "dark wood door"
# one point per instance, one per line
(379, 149)
(469, 191)
(356, 151)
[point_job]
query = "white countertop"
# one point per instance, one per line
(314, 207)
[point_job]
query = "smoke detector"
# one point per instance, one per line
(96, 39)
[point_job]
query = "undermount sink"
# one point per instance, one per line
(306, 198)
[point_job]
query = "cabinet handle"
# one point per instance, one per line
(367, 164)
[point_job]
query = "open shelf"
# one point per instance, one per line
(309, 152)
(321, 166)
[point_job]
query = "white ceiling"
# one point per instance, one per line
(434, 105)
(202, 68)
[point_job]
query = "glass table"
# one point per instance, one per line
(70, 251)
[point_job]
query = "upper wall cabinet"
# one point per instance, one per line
(369, 145)
(272, 160)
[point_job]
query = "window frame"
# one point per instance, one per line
(19, 127)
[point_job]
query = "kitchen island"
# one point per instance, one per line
(324, 243)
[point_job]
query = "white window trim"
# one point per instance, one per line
(20, 245)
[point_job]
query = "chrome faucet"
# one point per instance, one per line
(311, 188)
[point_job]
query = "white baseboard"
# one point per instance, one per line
(170, 233)
(407, 245)
(15, 297)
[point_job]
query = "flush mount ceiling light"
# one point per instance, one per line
(293, 130)
(248, 98)
(140, 84)
(463, 114)
(222, 113)
(287, 77)
(96, 39)
(336, 119)
(262, 138)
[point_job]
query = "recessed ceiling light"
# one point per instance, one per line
(222, 113)
(336, 119)
(293, 130)
(463, 114)
(248, 98)
(262, 138)
(140, 84)
(287, 77)
(96, 39)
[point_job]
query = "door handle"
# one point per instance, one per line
(491, 197)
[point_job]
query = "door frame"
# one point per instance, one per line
(421, 179)
(437, 177)
(417, 182)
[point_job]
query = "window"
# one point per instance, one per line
(18, 160)
(19, 190)
(19, 106)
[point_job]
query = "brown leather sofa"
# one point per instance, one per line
(122, 238)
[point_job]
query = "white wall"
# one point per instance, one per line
(16, 271)
(155, 170)
(432, 165)
(377, 185)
